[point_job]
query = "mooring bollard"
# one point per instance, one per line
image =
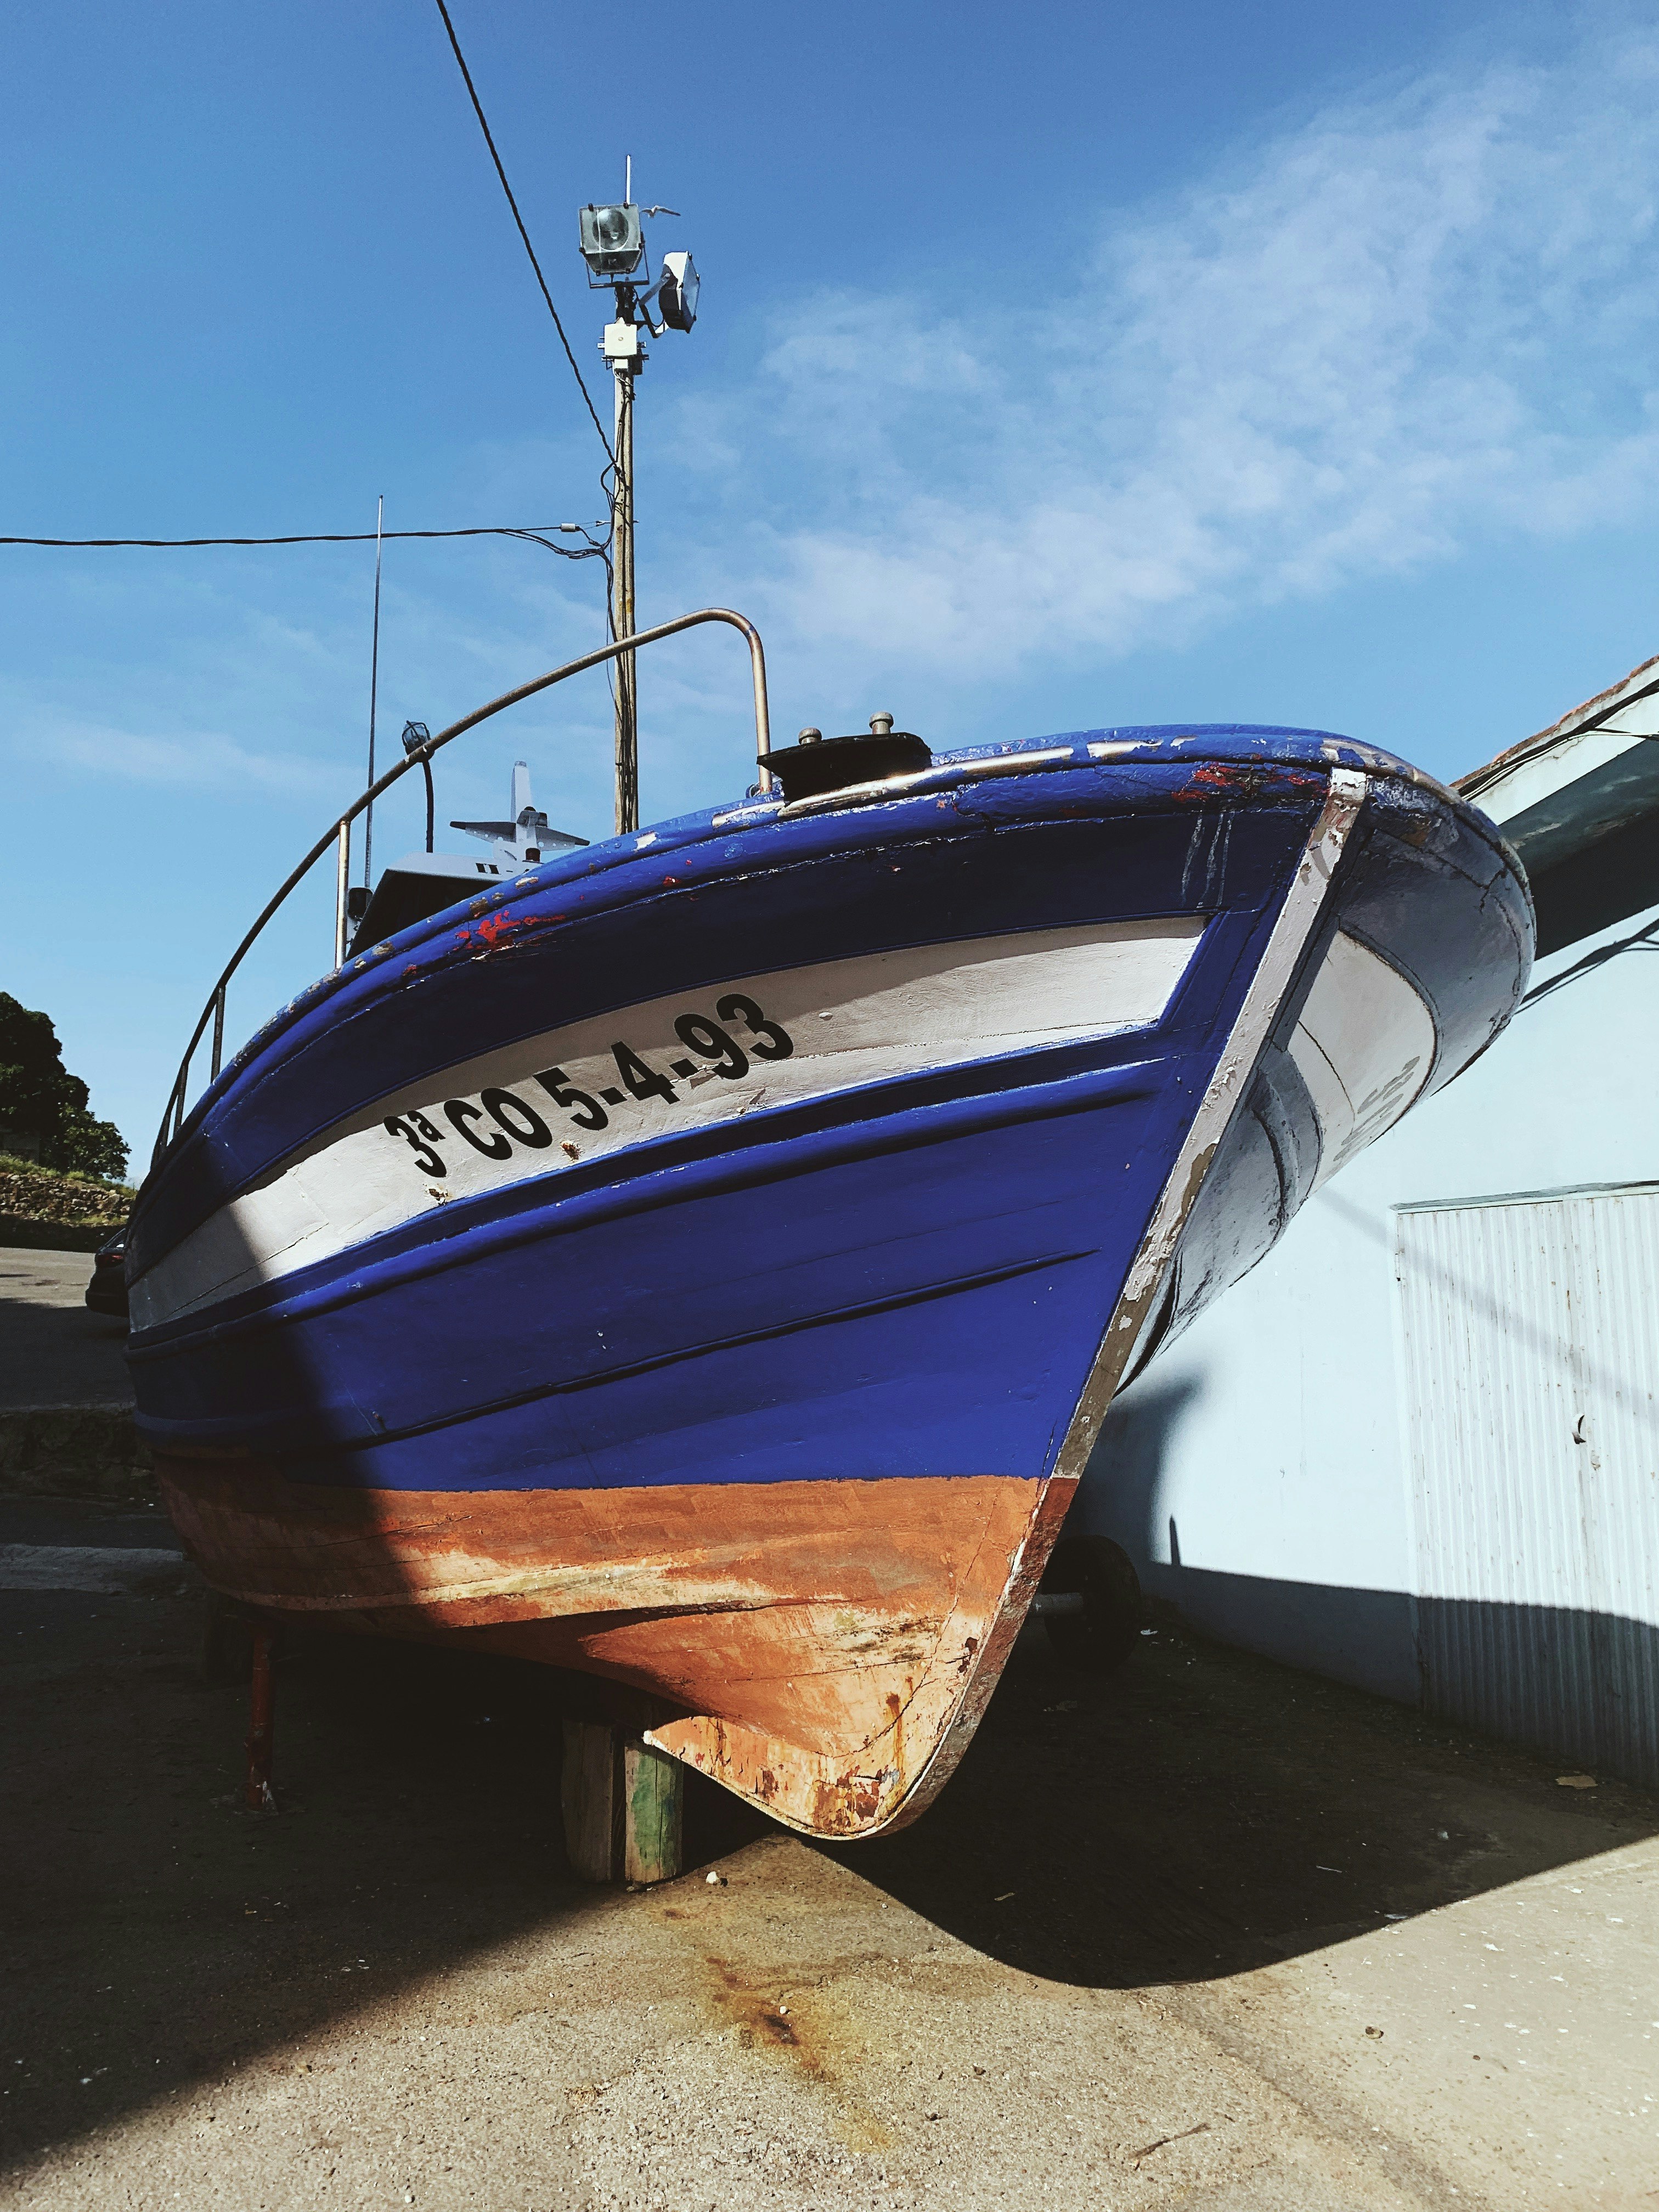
(621, 1802)
(256, 1791)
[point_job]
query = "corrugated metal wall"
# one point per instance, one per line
(1530, 1357)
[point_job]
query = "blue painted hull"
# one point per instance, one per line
(901, 1279)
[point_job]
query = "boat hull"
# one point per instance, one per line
(763, 1386)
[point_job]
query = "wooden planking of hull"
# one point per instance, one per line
(706, 1263)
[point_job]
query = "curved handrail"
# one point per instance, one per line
(215, 1009)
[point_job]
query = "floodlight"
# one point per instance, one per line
(416, 737)
(613, 244)
(676, 294)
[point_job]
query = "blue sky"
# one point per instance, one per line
(1057, 366)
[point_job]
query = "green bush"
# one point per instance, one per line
(40, 1099)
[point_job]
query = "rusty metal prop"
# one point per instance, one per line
(257, 1793)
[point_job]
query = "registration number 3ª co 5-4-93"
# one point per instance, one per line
(504, 1118)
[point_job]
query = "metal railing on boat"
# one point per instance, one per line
(339, 833)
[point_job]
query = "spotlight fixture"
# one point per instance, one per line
(612, 242)
(676, 291)
(416, 734)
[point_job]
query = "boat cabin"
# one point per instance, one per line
(420, 883)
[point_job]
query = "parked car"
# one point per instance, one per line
(106, 1293)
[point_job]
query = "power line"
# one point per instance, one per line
(483, 125)
(589, 551)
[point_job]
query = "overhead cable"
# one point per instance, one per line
(483, 125)
(588, 551)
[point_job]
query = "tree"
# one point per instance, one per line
(43, 1104)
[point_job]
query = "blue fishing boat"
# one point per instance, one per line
(705, 1259)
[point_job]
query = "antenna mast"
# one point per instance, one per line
(373, 694)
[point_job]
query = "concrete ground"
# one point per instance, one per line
(1209, 1933)
(53, 1351)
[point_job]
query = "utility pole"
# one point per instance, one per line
(613, 247)
(626, 356)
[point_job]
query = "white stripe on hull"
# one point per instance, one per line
(495, 1120)
(1364, 1046)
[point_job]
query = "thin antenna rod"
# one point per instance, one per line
(627, 180)
(373, 693)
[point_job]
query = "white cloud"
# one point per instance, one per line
(1418, 320)
(201, 662)
(200, 761)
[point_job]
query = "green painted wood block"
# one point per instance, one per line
(622, 1805)
(651, 1798)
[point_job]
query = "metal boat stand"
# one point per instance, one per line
(262, 1720)
(621, 1801)
(240, 1644)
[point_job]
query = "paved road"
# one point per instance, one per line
(53, 1350)
(1210, 1933)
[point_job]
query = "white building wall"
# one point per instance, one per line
(1258, 1472)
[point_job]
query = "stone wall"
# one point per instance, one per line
(45, 1212)
(36, 1194)
(74, 1451)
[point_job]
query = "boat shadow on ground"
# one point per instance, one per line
(53, 1350)
(1176, 1822)
(1205, 1812)
(158, 1937)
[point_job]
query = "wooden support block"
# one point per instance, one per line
(651, 1798)
(590, 1799)
(621, 1801)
